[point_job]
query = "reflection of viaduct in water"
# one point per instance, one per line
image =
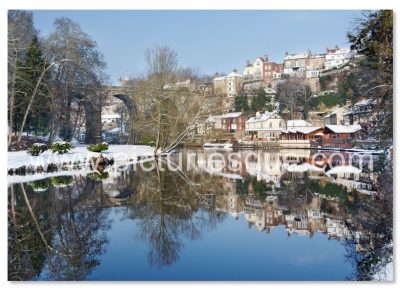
(93, 112)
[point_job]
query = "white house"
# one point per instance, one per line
(337, 57)
(214, 122)
(265, 127)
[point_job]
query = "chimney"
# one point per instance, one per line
(234, 70)
(286, 53)
(248, 63)
(266, 57)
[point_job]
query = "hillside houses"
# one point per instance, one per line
(263, 72)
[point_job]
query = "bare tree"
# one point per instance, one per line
(291, 94)
(20, 32)
(171, 108)
(80, 78)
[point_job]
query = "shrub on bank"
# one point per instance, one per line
(37, 149)
(61, 181)
(98, 148)
(61, 147)
(146, 140)
(98, 175)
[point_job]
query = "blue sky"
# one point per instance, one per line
(211, 41)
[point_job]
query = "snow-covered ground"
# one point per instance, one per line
(385, 274)
(122, 154)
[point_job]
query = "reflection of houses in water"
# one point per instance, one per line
(275, 166)
(273, 216)
(231, 204)
(254, 213)
(336, 229)
(303, 221)
(297, 222)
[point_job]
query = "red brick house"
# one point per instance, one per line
(341, 136)
(233, 122)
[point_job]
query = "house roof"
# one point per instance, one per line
(296, 56)
(234, 74)
(214, 118)
(298, 123)
(231, 114)
(303, 129)
(344, 128)
(262, 117)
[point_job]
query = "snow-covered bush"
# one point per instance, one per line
(37, 149)
(98, 148)
(61, 147)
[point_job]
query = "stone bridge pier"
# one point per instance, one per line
(93, 114)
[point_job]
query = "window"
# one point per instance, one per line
(270, 124)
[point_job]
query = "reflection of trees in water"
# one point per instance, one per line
(26, 250)
(63, 228)
(172, 206)
(371, 224)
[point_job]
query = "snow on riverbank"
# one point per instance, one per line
(385, 274)
(122, 154)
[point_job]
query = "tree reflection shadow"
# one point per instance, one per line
(172, 206)
(58, 233)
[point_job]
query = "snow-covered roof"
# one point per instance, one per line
(303, 168)
(298, 123)
(263, 117)
(303, 130)
(214, 118)
(296, 56)
(231, 115)
(234, 74)
(344, 128)
(338, 51)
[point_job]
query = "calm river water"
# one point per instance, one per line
(277, 215)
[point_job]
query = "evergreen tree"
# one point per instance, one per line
(373, 77)
(260, 100)
(241, 103)
(32, 66)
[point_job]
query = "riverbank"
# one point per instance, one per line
(20, 163)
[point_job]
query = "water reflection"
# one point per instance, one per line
(59, 227)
